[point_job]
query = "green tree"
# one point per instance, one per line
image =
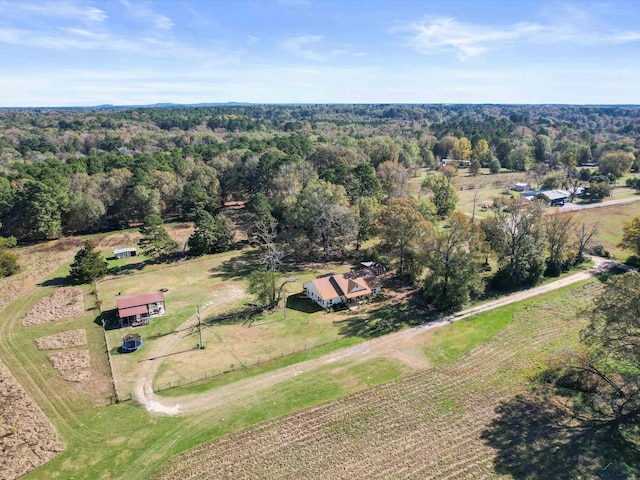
(400, 224)
(88, 264)
(262, 285)
(599, 188)
(39, 211)
(454, 264)
(561, 229)
(520, 158)
(367, 209)
(474, 167)
(494, 165)
(607, 376)
(617, 163)
(541, 148)
(516, 234)
(631, 236)
(156, 242)
(211, 234)
(444, 193)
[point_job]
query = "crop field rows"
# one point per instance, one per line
(427, 425)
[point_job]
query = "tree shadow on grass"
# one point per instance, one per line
(238, 267)
(58, 282)
(387, 318)
(536, 438)
(129, 268)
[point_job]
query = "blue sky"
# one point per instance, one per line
(123, 52)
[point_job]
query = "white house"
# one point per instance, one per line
(337, 288)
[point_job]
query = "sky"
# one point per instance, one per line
(136, 52)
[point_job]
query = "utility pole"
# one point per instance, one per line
(200, 345)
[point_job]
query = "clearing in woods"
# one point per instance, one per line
(458, 420)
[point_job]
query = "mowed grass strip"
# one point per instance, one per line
(427, 425)
(449, 343)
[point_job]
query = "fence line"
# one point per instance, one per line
(106, 342)
(208, 374)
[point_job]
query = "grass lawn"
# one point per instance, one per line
(216, 284)
(124, 440)
(610, 221)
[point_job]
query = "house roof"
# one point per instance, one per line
(129, 312)
(550, 194)
(123, 250)
(137, 300)
(336, 286)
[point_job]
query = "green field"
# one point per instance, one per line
(610, 221)
(125, 441)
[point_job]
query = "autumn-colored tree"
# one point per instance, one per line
(631, 236)
(400, 224)
(482, 152)
(461, 149)
(617, 163)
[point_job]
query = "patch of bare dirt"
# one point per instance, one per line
(64, 302)
(72, 338)
(73, 365)
(27, 439)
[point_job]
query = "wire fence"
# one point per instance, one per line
(215, 373)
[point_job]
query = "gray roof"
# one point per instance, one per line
(550, 194)
(124, 250)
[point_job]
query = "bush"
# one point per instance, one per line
(8, 263)
(599, 251)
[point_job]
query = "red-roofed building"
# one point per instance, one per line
(337, 288)
(137, 309)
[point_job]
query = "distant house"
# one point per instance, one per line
(136, 310)
(556, 197)
(348, 289)
(125, 252)
(455, 163)
(522, 187)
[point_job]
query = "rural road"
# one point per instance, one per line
(573, 207)
(395, 345)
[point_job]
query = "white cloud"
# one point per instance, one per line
(57, 9)
(437, 35)
(251, 39)
(143, 12)
(443, 35)
(301, 47)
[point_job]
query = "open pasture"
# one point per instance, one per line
(610, 221)
(216, 285)
(441, 423)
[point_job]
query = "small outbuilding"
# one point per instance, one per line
(136, 310)
(125, 252)
(522, 187)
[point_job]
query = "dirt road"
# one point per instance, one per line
(396, 345)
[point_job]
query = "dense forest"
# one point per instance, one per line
(323, 178)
